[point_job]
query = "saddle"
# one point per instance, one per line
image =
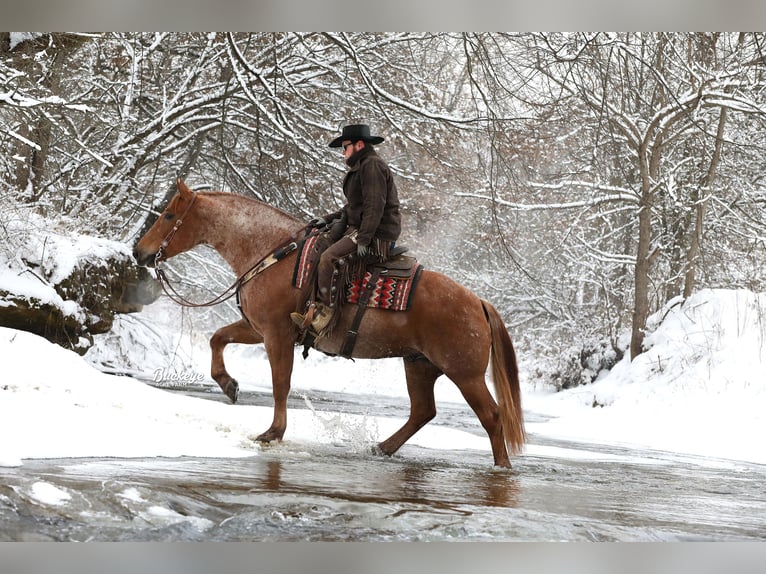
(382, 285)
(398, 265)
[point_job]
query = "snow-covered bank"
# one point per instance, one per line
(53, 404)
(698, 390)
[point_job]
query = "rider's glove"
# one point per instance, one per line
(318, 222)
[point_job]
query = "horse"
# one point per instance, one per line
(447, 330)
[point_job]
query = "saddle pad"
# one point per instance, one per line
(308, 257)
(390, 293)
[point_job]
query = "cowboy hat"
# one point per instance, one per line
(356, 132)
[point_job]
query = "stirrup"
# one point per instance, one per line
(303, 321)
(321, 317)
(316, 318)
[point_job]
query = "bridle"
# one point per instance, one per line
(160, 256)
(261, 265)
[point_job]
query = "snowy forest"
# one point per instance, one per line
(578, 181)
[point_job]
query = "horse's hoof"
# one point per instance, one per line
(378, 450)
(268, 437)
(232, 391)
(375, 450)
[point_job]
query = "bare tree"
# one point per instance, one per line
(647, 127)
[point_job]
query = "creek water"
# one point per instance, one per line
(295, 492)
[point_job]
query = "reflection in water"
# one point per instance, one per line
(273, 476)
(501, 489)
(392, 481)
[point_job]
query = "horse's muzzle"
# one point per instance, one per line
(143, 258)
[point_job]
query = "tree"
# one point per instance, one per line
(650, 112)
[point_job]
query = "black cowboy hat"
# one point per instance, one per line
(354, 133)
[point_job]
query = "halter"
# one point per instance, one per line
(261, 265)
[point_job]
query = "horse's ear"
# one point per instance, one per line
(183, 189)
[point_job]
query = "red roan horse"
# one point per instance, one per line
(448, 330)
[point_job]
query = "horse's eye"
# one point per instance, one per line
(169, 216)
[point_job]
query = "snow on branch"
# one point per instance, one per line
(613, 194)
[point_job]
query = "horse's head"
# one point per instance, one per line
(168, 237)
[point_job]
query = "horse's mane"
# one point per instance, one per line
(250, 203)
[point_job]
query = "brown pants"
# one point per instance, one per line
(328, 267)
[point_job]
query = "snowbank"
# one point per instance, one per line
(54, 405)
(699, 388)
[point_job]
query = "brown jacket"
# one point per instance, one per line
(372, 202)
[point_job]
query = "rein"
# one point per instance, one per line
(176, 297)
(233, 289)
(261, 265)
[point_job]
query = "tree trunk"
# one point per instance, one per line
(700, 207)
(30, 175)
(643, 263)
(649, 156)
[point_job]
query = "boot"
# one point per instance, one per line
(317, 318)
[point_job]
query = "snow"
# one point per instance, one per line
(54, 404)
(697, 391)
(17, 38)
(49, 494)
(33, 287)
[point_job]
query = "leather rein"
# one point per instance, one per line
(261, 265)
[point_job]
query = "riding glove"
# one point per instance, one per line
(318, 222)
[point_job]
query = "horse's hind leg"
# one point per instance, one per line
(239, 332)
(421, 376)
(478, 397)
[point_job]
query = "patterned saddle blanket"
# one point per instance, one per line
(396, 281)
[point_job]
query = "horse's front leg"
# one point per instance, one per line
(279, 348)
(239, 332)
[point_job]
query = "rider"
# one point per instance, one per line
(371, 213)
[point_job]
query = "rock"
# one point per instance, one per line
(45, 319)
(73, 290)
(583, 365)
(106, 287)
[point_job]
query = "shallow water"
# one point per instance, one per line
(296, 492)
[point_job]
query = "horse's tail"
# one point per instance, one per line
(505, 375)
